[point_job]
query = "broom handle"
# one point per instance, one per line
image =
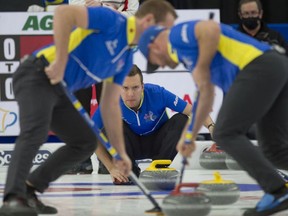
(188, 136)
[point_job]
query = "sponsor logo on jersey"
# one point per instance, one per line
(111, 46)
(150, 116)
(184, 35)
(176, 101)
(187, 62)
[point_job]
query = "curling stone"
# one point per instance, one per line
(158, 176)
(186, 203)
(213, 158)
(221, 192)
(231, 163)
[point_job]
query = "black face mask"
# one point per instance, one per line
(251, 22)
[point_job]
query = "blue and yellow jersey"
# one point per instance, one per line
(151, 114)
(99, 52)
(235, 51)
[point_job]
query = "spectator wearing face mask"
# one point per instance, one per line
(250, 13)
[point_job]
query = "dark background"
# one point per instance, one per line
(275, 11)
(17, 5)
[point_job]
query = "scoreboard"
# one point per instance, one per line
(20, 34)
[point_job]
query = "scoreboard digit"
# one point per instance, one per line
(12, 49)
(9, 61)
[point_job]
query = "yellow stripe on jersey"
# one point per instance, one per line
(76, 37)
(48, 52)
(172, 53)
(109, 80)
(237, 52)
(131, 29)
(54, 2)
(142, 99)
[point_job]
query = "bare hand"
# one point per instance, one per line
(185, 149)
(124, 165)
(211, 129)
(55, 72)
(117, 175)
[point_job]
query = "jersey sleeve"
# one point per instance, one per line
(101, 18)
(173, 101)
(184, 33)
(119, 78)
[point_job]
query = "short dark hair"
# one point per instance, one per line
(159, 8)
(259, 5)
(134, 71)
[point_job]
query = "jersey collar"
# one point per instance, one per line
(141, 102)
(131, 30)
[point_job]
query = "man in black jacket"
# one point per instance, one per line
(250, 13)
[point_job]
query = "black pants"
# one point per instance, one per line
(84, 96)
(159, 145)
(258, 95)
(99, 87)
(43, 107)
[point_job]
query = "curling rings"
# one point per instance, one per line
(221, 192)
(186, 203)
(213, 158)
(231, 163)
(158, 176)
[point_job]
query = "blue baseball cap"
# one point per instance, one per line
(146, 38)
